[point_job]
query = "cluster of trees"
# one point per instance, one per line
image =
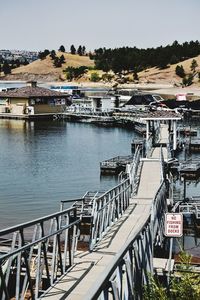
(80, 51)
(7, 66)
(187, 79)
(74, 73)
(57, 61)
(135, 59)
(43, 54)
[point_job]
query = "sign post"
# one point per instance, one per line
(173, 224)
(173, 228)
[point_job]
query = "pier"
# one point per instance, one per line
(102, 247)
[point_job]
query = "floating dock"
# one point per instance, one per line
(194, 145)
(190, 169)
(115, 165)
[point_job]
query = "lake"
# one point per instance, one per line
(44, 162)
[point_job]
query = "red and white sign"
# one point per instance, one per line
(173, 224)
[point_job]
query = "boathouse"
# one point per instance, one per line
(32, 100)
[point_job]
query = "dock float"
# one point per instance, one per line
(115, 165)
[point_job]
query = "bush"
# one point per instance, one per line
(94, 77)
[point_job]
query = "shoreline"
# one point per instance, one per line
(158, 88)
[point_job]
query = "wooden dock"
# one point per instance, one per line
(115, 165)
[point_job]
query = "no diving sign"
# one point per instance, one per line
(173, 224)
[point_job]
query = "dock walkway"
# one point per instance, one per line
(89, 266)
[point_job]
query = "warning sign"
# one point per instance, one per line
(173, 224)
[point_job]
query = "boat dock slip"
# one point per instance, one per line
(116, 164)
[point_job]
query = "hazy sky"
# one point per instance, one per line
(40, 24)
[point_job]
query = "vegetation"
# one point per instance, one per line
(194, 65)
(61, 49)
(6, 68)
(185, 285)
(43, 54)
(74, 73)
(135, 76)
(72, 49)
(187, 80)
(130, 59)
(180, 71)
(94, 77)
(52, 54)
(107, 77)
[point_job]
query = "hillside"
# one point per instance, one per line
(168, 76)
(45, 71)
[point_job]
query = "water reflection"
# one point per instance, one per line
(44, 162)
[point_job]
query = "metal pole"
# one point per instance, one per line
(170, 260)
(174, 135)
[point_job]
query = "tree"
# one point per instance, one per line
(53, 54)
(174, 59)
(194, 65)
(94, 77)
(187, 80)
(62, 59)
(74, 73)
(6, 68)
(180, 71)
(83, 50)
(57, 63)
(61, 49)
(79, 51)
(72, 49)
(42, 55)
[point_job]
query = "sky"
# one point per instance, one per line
(47, 24)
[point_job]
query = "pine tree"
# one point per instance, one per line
(180, 71)
(194, 65)
(6, 68)
(61, 49)
(53, 54)
(72, 49)
(79, 51)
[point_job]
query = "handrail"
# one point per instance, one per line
(107, 209)
(130, 252)
(129, 270)
(38, 253)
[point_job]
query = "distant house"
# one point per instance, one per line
(32, 101)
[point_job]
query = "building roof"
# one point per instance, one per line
(162, 115)
(31, 92)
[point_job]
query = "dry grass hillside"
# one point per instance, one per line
(168, 76)
(45, 71)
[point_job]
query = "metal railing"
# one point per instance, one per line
(110, 206)
(129, 271)
(35, 254)
(107, 209)
(149, 147)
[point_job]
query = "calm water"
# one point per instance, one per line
(44, 162)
